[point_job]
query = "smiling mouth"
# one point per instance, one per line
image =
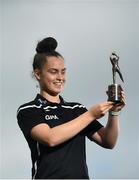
(58, 83)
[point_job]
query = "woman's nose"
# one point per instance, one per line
(59, 76)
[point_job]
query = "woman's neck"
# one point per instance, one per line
(51, 98)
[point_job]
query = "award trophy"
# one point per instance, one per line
(114, 90)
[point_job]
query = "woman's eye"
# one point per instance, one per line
(63, 72)
(53, 72)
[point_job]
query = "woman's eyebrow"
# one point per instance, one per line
(52, 69)
(64, 69)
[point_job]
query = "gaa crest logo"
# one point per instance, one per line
(50, 117)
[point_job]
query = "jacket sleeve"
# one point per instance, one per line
(93, 127)
(28, 118)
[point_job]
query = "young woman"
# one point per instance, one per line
(55, 129)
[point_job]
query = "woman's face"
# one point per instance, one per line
(52, 77)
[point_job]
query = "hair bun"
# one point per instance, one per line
(46, 45)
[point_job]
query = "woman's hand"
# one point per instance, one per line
(118, 106)
(101, 109)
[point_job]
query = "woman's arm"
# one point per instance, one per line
(59, 134)
(107, 136)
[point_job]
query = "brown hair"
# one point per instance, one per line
(44, 49)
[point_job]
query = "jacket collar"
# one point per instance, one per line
(42, 100)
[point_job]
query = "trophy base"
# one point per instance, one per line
(114, 93)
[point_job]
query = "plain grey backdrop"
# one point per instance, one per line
(87, 32)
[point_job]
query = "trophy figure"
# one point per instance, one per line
(114, 90)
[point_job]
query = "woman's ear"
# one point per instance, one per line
(37, 74)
